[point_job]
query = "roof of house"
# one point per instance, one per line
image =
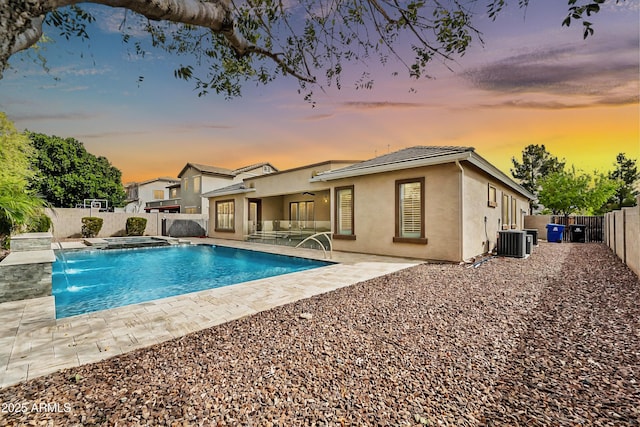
(215, 170)
(236, 188)
(149, 181)
(207, 170)
(405, 155)
(254, 166)
(417, 157)
(243, 187)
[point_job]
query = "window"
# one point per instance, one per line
(301, 211)
(185, 184)
(174, 193)
(344, 213)
(505, 211)
(514, 212)
(191, 210)
(410, 211)
(492, 197)
(225, 215)
(266, 169)
(196, 184)
(158, 194)
(132, 192)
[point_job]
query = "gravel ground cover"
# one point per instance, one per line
(552, 340)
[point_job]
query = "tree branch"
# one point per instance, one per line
(276, 58)
(216, 15)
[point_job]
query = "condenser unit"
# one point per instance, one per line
(513, 244)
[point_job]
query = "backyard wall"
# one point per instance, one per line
(622, 235)
(538, 222)
(67, 223)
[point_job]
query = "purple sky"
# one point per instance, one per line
(533, 82)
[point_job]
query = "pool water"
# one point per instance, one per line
(99, 279)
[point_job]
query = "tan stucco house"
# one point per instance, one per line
(434, 203)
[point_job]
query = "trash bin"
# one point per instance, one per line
(554, 233)
(578, 233)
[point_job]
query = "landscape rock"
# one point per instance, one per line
(551, 340)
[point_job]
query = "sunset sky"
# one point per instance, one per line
(533, 82)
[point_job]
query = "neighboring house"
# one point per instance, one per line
(141, 193)
(170, 204)
(437, 203)
(196, 179)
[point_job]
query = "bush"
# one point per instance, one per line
(91, 226)
(39, 223)
(136, 226)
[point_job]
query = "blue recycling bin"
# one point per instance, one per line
(554, 233)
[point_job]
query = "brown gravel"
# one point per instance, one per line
(552, 340)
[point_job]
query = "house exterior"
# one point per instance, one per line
(141, 193)
(185, 196)
(168, 205)
(434, 203)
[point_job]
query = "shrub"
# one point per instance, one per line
(38, 223)
(91, 226)
(136, 226)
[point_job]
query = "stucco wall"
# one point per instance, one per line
(295, 181)
(240, 226)
(67, 222)
(374, 214)
(622, 230)
(633, 238)
(538, 222)
(273, 208)
(476, 231)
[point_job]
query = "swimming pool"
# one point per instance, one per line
(99, 279)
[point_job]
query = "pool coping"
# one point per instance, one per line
(33, 343)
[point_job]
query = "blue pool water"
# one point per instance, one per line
(101, 279)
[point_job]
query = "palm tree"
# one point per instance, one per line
(16, 208)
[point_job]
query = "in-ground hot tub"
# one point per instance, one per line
(132, 242)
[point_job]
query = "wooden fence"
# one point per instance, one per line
(594, 226)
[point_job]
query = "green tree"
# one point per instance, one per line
(67, 174)
(567, 192)
(17, 204)
(537, 163)
(226, 43)
(625, 175)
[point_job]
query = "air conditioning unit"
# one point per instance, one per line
(533, 232)
(513, 244)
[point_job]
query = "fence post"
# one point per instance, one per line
(624, 236)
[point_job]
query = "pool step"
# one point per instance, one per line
(173, 240)
(96, 242)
